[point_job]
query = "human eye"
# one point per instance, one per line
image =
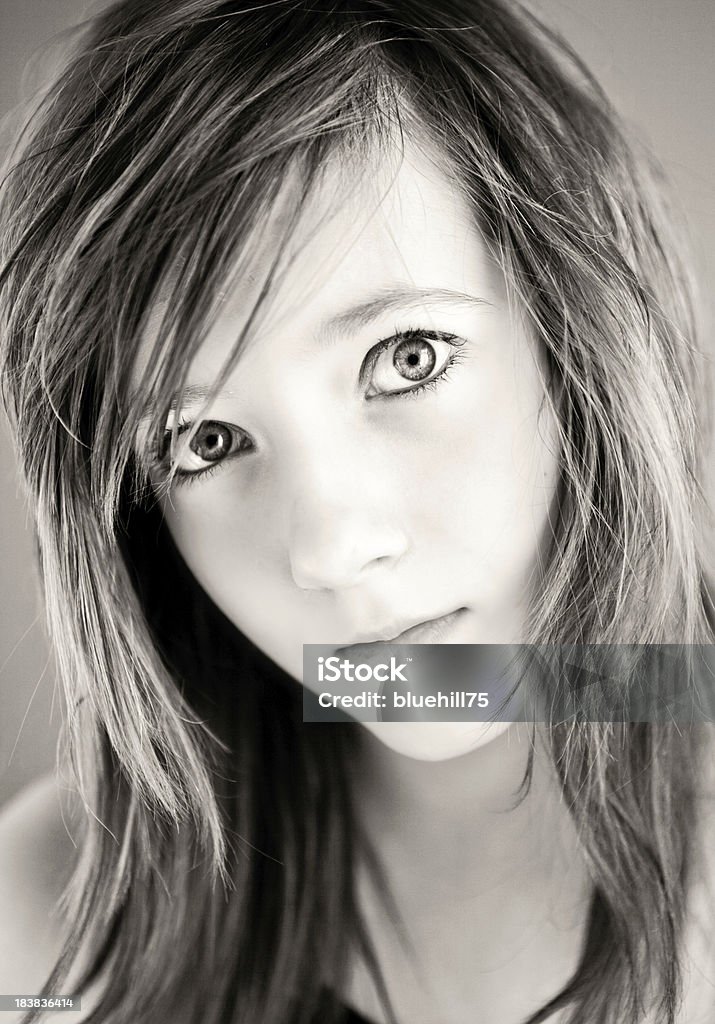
(212, 444)
(415, 355)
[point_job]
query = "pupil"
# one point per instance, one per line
(415, 360)
(212, 442)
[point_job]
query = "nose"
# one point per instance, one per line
(336, 541)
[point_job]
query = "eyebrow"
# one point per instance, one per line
(397, 297)
(357, 317)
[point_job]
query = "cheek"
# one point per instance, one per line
(493, 486)
(220, 550)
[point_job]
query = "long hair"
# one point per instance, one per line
(214, 815)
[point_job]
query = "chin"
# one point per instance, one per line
(436, 741)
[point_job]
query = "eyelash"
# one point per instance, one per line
(186, 478)
(408, 334)
(182, 477)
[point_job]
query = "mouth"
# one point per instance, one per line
(430, 631)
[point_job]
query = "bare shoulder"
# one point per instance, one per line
(37, 854)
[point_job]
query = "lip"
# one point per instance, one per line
(425, 632)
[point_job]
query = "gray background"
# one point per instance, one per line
(655, 59)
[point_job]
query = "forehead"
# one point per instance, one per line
(405, 223)
(364, 231)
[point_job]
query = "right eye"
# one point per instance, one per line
(213, 443)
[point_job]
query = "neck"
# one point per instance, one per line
(489, 893)
(459, 825)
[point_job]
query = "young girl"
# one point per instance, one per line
(334, 323)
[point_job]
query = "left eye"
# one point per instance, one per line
(212, 443)
(410, 358)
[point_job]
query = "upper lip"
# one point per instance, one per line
(392, 633)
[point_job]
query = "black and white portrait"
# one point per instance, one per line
(357, 479)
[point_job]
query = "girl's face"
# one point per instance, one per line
(380, 456)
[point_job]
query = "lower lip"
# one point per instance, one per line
(432, 632)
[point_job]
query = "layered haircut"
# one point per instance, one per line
(215, 875)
